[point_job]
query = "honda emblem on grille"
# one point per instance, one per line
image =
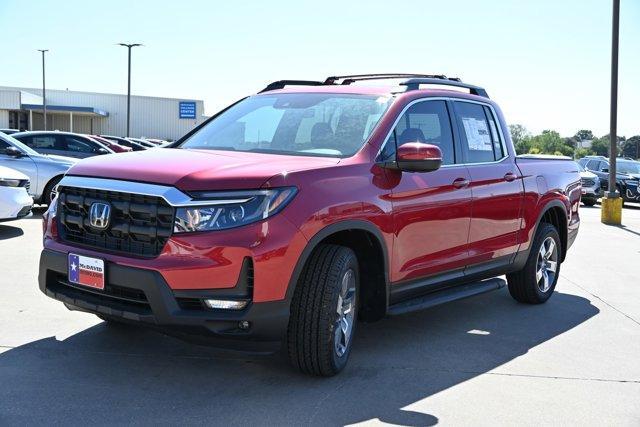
(99, 215)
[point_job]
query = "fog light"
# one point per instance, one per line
(244, 324)
(224, 304)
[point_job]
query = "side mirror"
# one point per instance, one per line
(13, 152)
(418, 157)
(103, 151)
(605, 170)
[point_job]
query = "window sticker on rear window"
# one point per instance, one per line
(477, 133)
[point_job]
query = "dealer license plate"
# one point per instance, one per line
(86, 271)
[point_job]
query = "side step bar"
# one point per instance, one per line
(446, 295)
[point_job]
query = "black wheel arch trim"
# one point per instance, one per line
(336, 227)
(521, 257)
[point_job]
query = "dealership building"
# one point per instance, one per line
(99, 113)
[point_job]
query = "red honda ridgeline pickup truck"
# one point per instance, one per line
(291, 214)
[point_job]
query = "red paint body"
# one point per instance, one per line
(430, 223)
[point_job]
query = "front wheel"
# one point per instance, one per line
(535, 283)
(324, 311)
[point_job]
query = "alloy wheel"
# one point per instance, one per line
(346, 313)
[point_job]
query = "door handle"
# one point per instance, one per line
(460, 182)
(510, 176)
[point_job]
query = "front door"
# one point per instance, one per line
(431, 210)
(496, 185)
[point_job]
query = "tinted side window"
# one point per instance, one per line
(428, 122)
(42, 142)
(477, 142)
(79, 146)
(604, 167)
(593, 165)
(3, 145)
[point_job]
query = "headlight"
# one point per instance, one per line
(223, 210)
(10, 182)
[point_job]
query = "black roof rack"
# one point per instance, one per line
(282, 83)
(347, 80)
(414, 84)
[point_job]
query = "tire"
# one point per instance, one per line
(589, 202)
(46, 194)
(526, 285)
(324, 311)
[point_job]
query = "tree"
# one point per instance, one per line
(584, 135)
(521, 138)
(600, 146)
(583, 152)
(550, 142)
(605, 142)
(631, 147)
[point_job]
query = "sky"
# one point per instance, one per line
(546, 63)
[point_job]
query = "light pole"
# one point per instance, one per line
(129, 46)
(612, 202)
(44, 93)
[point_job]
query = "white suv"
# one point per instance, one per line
(15, 202)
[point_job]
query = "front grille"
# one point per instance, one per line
(139, 225)
(588, 182)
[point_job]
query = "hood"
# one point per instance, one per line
(8, 173)
(587, 174)
(197, 170)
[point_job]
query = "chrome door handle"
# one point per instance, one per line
(460, 182)
(510, 176)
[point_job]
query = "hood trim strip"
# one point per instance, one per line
(171, 195)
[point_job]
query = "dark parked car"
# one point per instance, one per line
(143, 142)
(114, 146)
(62, 144)
(124, 142)
(627, 175)
(281, 221)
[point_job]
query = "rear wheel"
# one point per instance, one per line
(535, 283)
(324, 311)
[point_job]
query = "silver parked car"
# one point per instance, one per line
(591, 191)
(44, 172)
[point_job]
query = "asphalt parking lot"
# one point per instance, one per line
(482, 361)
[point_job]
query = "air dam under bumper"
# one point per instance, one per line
(140, 296)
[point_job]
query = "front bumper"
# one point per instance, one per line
(15, 203)
(142, 296)
(591, 192)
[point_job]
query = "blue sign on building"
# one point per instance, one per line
(187, 110)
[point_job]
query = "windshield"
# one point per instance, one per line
(628, 167)
(307, 124)
(11, 140)
(580, 167)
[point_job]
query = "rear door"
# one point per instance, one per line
(431, 210)
(79, 147)
(496, 185)
(43, 144)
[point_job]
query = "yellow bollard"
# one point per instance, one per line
(611, 210)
